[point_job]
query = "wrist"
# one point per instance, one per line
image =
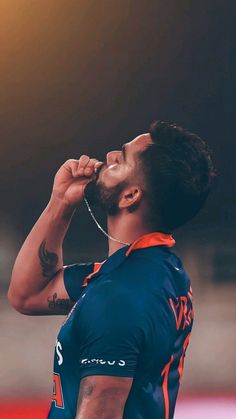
(60, 209)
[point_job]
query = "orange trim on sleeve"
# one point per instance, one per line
(97, 266)
(152, 239)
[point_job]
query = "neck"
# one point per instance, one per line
(125, 227)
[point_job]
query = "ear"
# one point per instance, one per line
(130, 197)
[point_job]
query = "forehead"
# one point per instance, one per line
(138, 144)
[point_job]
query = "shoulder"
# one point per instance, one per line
(162, 268)
(132, 284)
(74, 276)
(149, 267)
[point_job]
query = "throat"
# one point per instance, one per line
(100, 227)
(126, 229)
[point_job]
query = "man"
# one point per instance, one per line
(120, 352)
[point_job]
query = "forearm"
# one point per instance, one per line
(37, 277)
(101, 408)
(41, 256)
(102, 397)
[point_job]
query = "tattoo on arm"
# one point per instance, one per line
(63, 304)
(100, 403)
(85, 390)
(48, 260)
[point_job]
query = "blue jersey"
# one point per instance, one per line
(132, 318)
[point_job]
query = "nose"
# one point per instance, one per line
(112, 157)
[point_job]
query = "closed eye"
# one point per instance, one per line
(124, 151)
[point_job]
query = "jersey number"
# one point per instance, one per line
(57, 397)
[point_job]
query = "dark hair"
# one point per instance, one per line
(178, 170)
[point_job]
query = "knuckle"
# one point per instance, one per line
(91, 162)
(70, 163)
(67, 162)
(84, 157)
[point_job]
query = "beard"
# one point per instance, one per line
(106, 198)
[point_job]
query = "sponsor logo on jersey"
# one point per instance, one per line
(97, 361)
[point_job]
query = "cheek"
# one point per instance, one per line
(113, 175)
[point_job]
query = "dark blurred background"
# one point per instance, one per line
(86, 76)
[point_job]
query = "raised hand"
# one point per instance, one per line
(72, 177)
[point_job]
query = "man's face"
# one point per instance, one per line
(121, 169)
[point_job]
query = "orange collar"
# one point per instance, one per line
(152, 239)
(148, 240)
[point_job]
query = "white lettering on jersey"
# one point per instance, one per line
(59, 355)
(85, 361)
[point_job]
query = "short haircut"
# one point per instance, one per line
(178, 171)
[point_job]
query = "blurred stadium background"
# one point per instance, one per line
(83, 76)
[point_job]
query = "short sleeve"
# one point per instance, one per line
(74, 276)
(111, 335)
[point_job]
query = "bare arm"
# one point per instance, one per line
(37, 285)
(103, 397)
(38, 270)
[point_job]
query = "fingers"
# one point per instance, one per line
(84, 167)
(97, 165)
(90, 167)
(83, 161)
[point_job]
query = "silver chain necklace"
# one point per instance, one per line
(100, 228)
